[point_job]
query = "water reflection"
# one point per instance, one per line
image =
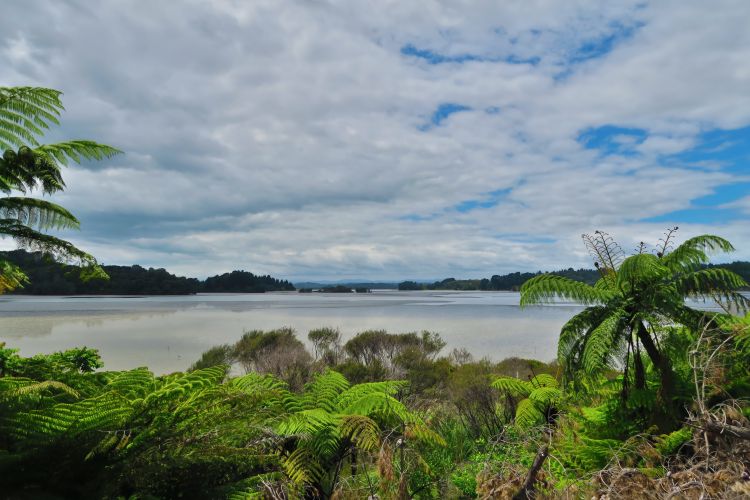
(169, 333)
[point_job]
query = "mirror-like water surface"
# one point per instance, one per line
(169, 333)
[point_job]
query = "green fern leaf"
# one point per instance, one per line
(528, 414)
(513, 386)
(549, 287)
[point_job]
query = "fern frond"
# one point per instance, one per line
(528, 414)
(362, 431)
(34, 240)
(694, 252)
(513, 386)
(39, 213)
(11, 277)
(548, 287)
(17, 387)
(256, 381)
(25, 112)
(188, 383)
(380, 405)
(356, 392)
(302, 467)
(271, 390)
(324, 390)
(715, 283)
(599, 343)
(135, 383)
(29, 169)
(604, 249)
(420, 432)
(77, 151)
(544, 380)
(640, 268)
(307, 422)
(573, 335)
(545, 396)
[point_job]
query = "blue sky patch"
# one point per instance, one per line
(702, 215)
(610, 139)
(723, 194)
(492, 199)
(728, 148)
(417, 217)
(603, 45)
(442, 113)
(432, 57)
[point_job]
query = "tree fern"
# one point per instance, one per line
(536, 398)
(635, 297)
(25, 113)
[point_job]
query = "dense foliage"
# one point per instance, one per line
(388, 416)
(404, 423)
(48, 277)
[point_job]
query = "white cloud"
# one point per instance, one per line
(283, 137)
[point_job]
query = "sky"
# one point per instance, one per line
(392, 140)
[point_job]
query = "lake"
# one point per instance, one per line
(168, 333)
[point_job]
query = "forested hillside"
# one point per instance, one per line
(47, 277)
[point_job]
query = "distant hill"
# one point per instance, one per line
(48, 277)
(372, 285)
(513, 281)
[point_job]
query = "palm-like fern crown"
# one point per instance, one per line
(330, 417)
(26, 165)
(537, 397)
(638, 291)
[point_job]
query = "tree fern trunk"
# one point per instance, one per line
(640, 372)
(662, 364)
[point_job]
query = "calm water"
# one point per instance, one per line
(169, 333)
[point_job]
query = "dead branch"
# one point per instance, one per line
(527, 491)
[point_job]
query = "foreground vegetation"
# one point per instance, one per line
(430, 427)
(648, 398)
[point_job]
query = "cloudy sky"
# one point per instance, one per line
(397, 139)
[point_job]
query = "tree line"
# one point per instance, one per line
(514, 281)
(48, 277)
